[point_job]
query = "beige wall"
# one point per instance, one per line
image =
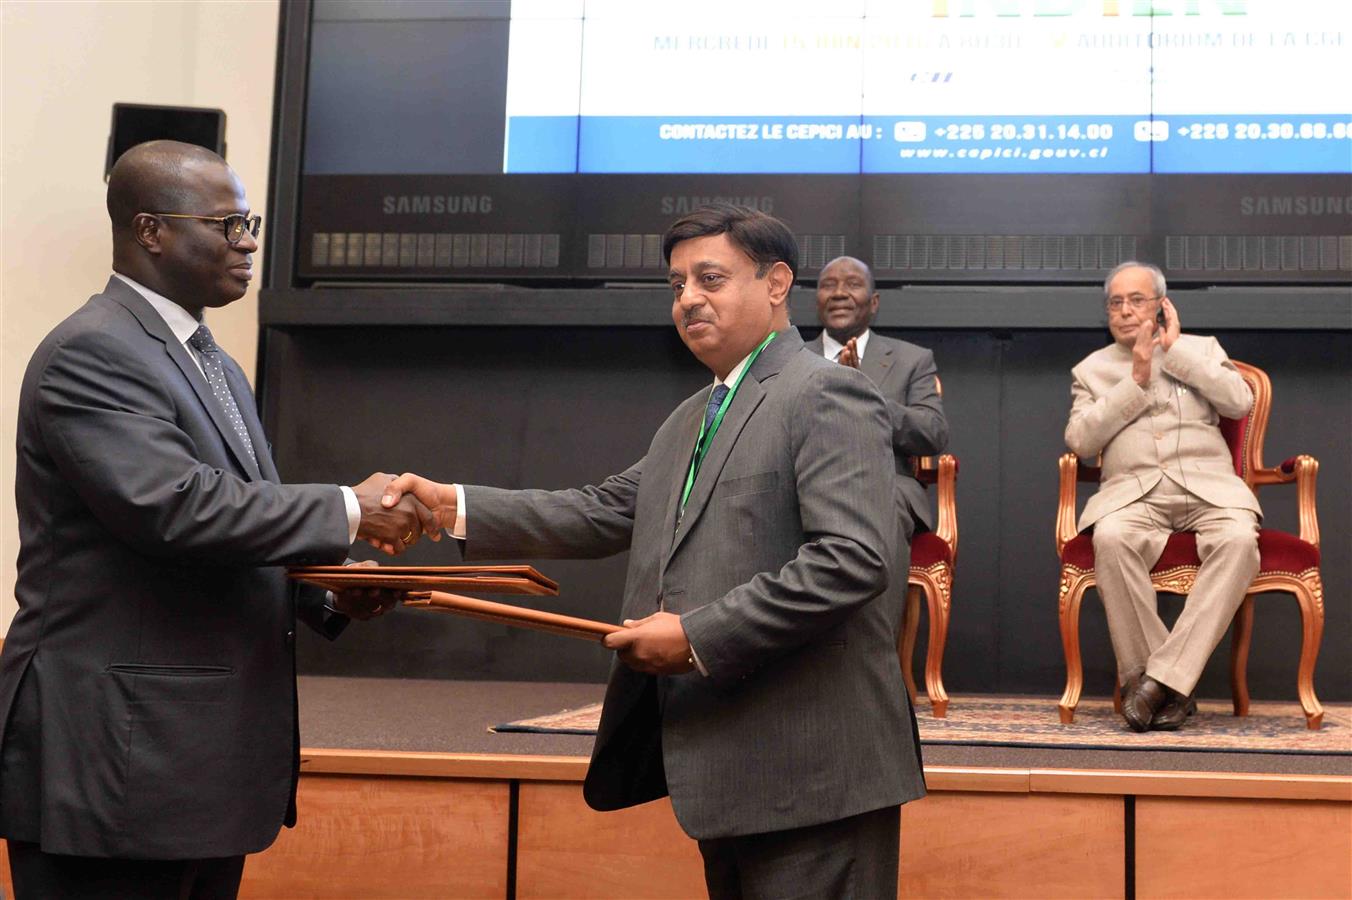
(64, 65)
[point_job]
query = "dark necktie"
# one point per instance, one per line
(715, 401)
(210, 355)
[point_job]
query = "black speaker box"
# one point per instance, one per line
(136, 123)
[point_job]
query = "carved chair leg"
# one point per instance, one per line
(1310, 596)
(1240, 639)
(910, 625)
(940, 596)
(1072, 592)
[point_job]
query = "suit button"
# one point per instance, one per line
(291, 639)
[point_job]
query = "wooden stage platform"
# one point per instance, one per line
(406, 793)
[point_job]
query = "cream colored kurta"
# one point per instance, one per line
(1166, 468)
(1169, 430)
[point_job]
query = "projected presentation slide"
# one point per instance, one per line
(926, 86)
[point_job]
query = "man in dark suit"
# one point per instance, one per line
(757, 681)
(147, 685)
(847, 301)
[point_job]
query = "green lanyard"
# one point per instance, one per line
(705, 439)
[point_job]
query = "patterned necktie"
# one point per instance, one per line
(715, 401)
(210, 356)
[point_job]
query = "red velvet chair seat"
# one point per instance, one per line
(927, 549)
(1278, 551)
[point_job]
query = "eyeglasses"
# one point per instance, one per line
(1134, 302)
(233, 225)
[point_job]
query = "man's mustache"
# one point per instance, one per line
(691, 317)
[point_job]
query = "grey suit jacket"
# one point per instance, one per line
(779, 568)
(907, 378)
(1169, 431)
(147, 684)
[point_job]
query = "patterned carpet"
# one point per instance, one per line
(1270, 727)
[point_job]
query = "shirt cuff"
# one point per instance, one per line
(353, 512)
(458, 529)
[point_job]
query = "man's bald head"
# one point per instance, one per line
(863, 266)
(168, 203)
(847, 298)
(157, 176)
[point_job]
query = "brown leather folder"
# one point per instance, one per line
(516, 616)
(488, 579)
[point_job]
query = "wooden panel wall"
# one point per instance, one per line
(401, 838)
(952, 845)
(566, 849)
(406, 837)
(1012, 845)
(1242, 848)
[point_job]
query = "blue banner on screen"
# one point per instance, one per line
(832, 87)
(905, 145)
(1259, 144)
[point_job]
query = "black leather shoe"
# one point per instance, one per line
(1174, 712)
(1140, 706)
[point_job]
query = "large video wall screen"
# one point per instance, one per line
(847, 86)
(940, 140)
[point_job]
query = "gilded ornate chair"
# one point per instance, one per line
(1287, 563)
(932, 557)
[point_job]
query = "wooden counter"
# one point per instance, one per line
(405, 793)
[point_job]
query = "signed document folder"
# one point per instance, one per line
(430, 587)
(488, 579)
(506, 614)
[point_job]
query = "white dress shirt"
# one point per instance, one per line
(831, 347)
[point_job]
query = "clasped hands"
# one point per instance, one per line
(656, 644)
(849, 354)
(393, 529)
(1148, 335)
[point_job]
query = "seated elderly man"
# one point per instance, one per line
(1151, 404)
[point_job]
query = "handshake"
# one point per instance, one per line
(396, 512)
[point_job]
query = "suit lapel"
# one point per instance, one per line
(749, 396)
(681, 462)
(157, 328)
(877, 360)
(744, 403)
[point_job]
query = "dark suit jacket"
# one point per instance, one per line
(147, 685)
(779, 568)
(906, 377)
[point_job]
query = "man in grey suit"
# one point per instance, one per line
(757, 681)
(148, 731)
(1150, 403)
(847, 301)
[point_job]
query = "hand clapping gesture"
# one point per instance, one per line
(849, 356)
